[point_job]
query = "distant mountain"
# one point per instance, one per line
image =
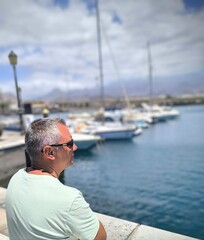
(139, 88)
(58, 95)
(174, 87)
(134, 88)
(7, 97)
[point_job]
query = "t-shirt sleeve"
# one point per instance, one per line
(82, 220)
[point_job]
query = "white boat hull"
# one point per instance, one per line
(118, 134)
(85, 141)
(110, 131)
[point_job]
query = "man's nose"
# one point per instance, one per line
(75, 147)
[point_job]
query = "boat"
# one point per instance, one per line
(138, 131)
(13, 127)
(13, 139)
(113, 130)
(85, 141)
(109, 130)
(128, 116)
(156, 112)
(11, 124)
(140, 119)
(159, 113)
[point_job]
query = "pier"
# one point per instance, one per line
(11, 155)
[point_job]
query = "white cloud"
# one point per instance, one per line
(57, 45)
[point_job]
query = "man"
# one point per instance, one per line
(45, 112)
(38, 205)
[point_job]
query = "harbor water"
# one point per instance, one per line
(157, 179)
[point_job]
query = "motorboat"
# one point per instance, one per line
(85, 141)
(159, 113)
(138, 131)
(109, 130)
(128, 116)
(13, 139)
(134, 116)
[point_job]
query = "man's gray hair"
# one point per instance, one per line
(42, 132)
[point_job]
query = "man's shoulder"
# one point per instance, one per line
(70, 190)
(18, 174)
(67, 194)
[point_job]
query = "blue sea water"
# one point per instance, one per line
(156, 179)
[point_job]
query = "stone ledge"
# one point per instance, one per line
(118, 229)
(145, 233)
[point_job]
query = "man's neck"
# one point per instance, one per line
(42, 171)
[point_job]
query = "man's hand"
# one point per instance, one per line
(101, 234)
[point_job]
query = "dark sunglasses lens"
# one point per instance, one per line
(70, 144)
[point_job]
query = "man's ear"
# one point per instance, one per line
(49, 152)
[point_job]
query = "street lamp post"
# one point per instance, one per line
(13, 61)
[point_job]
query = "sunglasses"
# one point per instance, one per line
(69, 144)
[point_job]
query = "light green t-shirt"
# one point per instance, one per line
(41, 207)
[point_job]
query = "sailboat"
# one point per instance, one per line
(127, 114)
(113, 130)
(156, 112)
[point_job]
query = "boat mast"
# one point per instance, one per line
(150, 71)
(100, 57)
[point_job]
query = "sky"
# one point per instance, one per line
(56, 42)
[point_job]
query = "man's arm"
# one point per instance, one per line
(101, 234)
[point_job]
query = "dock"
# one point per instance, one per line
(10, 140)
(11, 154)
(117, 229)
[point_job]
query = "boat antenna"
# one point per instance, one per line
(100, 57)
(149, 57)
(116, 67)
